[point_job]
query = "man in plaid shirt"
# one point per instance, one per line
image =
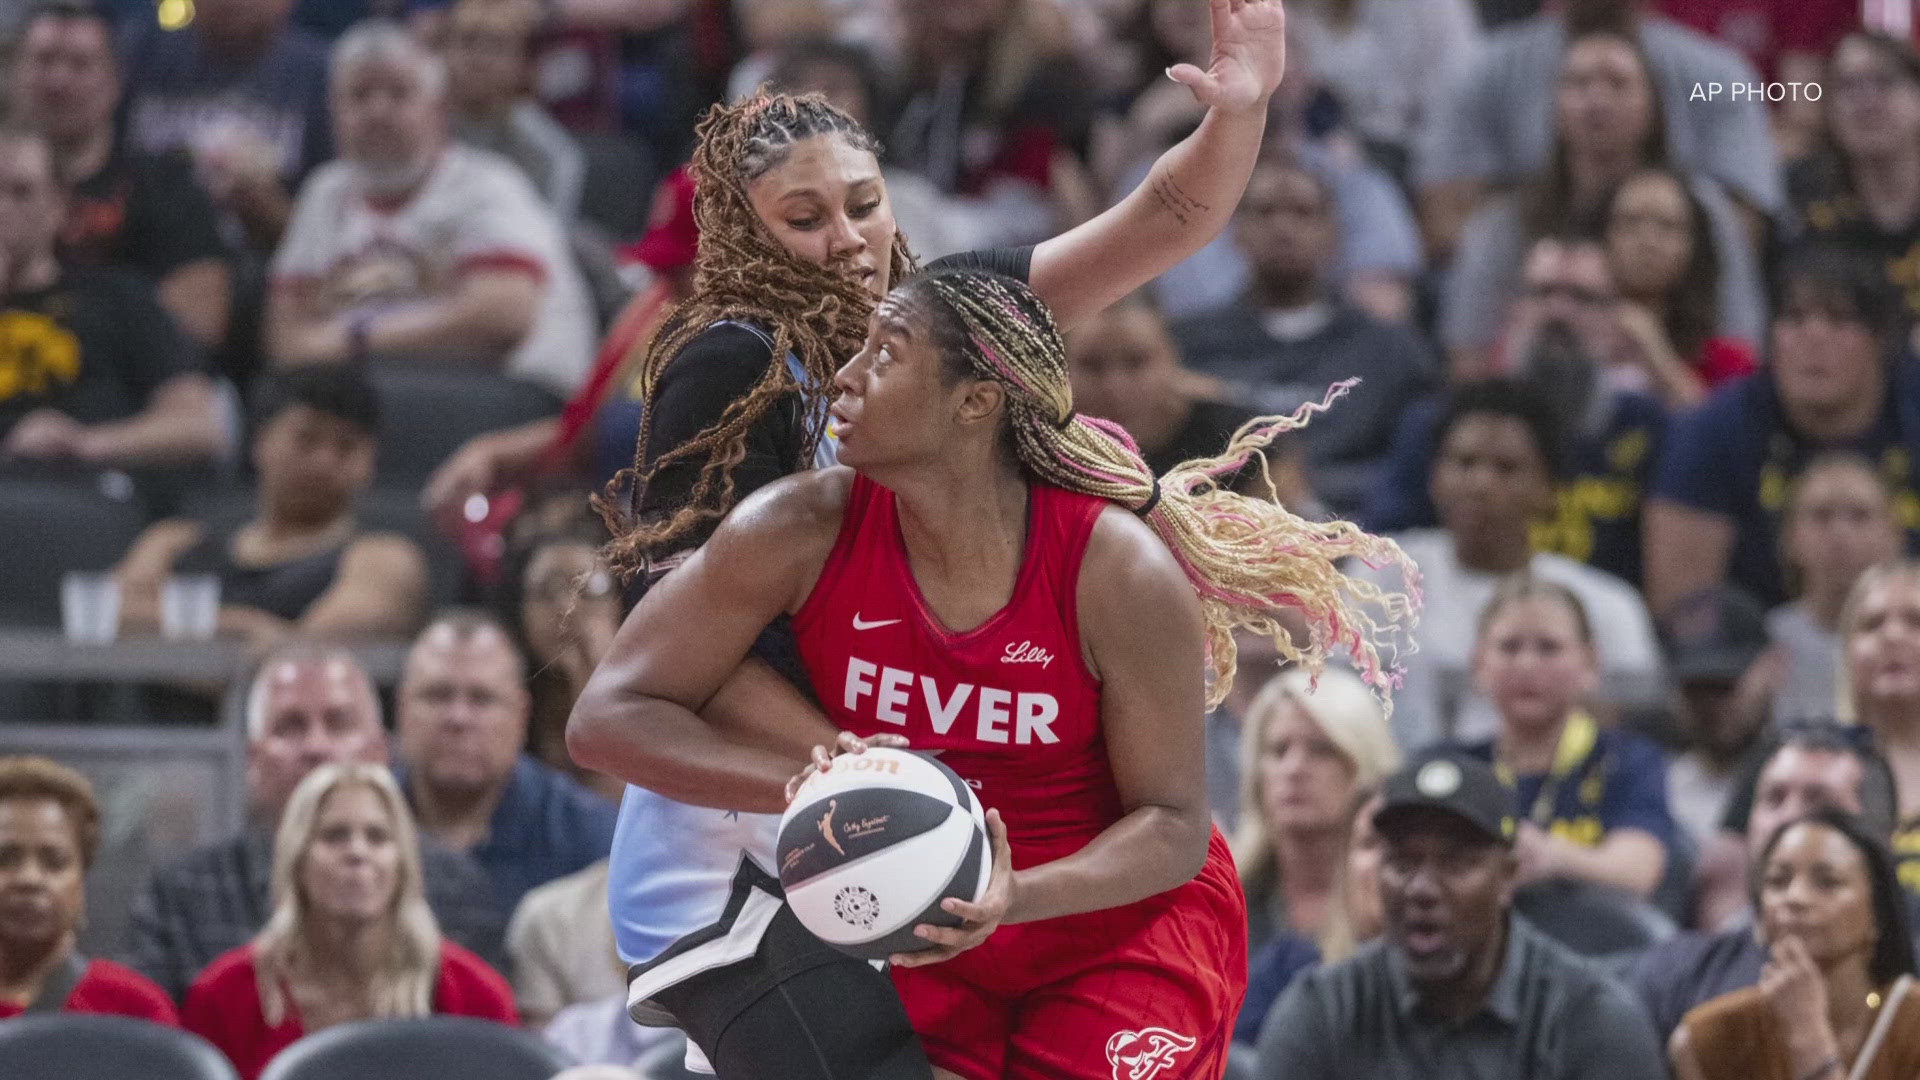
(307, 706)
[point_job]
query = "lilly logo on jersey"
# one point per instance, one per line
(1144, 1054)
(1000, 716)
(1027, 653)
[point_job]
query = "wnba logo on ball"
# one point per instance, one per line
(1143, 1054)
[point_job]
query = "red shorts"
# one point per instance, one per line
(1148, 991)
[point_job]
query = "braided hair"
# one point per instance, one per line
(1250, 560)
(742, 272)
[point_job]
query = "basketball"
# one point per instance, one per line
(869, 849)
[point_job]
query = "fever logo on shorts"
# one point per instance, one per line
(1144, 1054)
(856, 907)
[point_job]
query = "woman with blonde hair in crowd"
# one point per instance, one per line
(1358, 918)
(1879, 682)
(350, 937)
(1309, 751)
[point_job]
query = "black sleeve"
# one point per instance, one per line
(1014, 262)
(715, 369)
(149, 347)
(172, 219)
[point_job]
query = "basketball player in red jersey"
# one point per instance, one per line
(1003, 580)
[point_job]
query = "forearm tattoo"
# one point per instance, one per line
(1176, 201)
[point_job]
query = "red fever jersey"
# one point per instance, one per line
(1010, 703)
(1145, 991)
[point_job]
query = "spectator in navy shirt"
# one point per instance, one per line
(462, 720)
(1559, 337)
(1835, 382)
(1591, 800)
(241, 90)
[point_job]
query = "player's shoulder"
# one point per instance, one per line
(1128, 568)
(795, 512)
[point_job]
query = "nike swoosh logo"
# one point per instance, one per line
(861, 624)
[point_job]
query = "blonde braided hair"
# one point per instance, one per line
(743, 273)
(1250, 560)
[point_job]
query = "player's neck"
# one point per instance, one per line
(965, 520)
(1464, 997)
(82, 157)
(28, 273)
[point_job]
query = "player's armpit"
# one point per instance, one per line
(638, 718)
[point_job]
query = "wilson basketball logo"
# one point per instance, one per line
(1144, 1054)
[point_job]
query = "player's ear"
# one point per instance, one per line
(983, 400)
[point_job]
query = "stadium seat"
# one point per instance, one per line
(49, 527)
(427, 411)
(1242, 1063)
(434, 1048)
(1596, 921)
(79, 1046)
(621, 174)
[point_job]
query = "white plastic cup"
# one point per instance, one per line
(90, 607)
(190, 607)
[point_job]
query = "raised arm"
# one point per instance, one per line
(1190, 193)
(639, 716)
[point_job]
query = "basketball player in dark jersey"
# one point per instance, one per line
(1002, 579)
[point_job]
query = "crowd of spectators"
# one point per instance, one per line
(1639, 393)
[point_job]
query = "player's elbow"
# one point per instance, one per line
(1186, 832)
(592, 731)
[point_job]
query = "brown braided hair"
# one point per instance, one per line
(742, 272)
(1250, 560)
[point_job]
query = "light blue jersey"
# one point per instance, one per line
(692, 888)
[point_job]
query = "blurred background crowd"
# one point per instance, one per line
(318, 325)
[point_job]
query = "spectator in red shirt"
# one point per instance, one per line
(1661, 247)
(49, 833)
(351, 936)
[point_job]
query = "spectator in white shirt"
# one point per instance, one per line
(409, 247)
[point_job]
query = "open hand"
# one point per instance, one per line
(847, 743)
(980, 920)
(1248, 59)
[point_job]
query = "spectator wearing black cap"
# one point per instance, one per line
(1811, 766)
(301, 564)
(1459, 987)
(1714, 641)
